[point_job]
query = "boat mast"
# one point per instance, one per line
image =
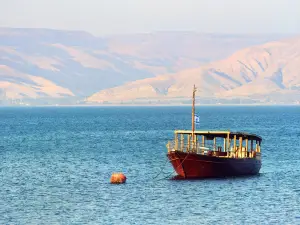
(193, 116)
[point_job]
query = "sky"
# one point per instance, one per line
(107, 17)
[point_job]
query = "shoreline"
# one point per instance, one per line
(149, 105)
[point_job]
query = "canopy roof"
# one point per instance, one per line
(222, 134)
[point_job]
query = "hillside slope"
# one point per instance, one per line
(264, 72)
(83, 64)
(16, 85)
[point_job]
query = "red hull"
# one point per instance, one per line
(191, 165)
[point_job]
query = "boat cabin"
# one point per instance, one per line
(217, 143)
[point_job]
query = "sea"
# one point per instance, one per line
(56, 164)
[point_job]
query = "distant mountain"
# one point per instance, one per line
(263, 73)
(17, 85)
(78, 64)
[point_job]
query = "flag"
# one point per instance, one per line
(197, 119)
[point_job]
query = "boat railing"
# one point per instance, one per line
(211, 150)
(196, 147)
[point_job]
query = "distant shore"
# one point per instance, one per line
(150, 105)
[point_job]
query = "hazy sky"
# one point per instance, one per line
(102, 17)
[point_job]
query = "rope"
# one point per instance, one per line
(174, 169)
(161, 170)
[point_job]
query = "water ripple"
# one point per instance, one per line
(56, 164)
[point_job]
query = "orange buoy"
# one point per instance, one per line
(117, 178)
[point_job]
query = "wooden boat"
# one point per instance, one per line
(203, 154)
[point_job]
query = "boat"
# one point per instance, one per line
(210, 154)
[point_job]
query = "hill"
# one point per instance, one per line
(78, 64)
(267, 73)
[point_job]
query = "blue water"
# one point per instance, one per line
(56, 164)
